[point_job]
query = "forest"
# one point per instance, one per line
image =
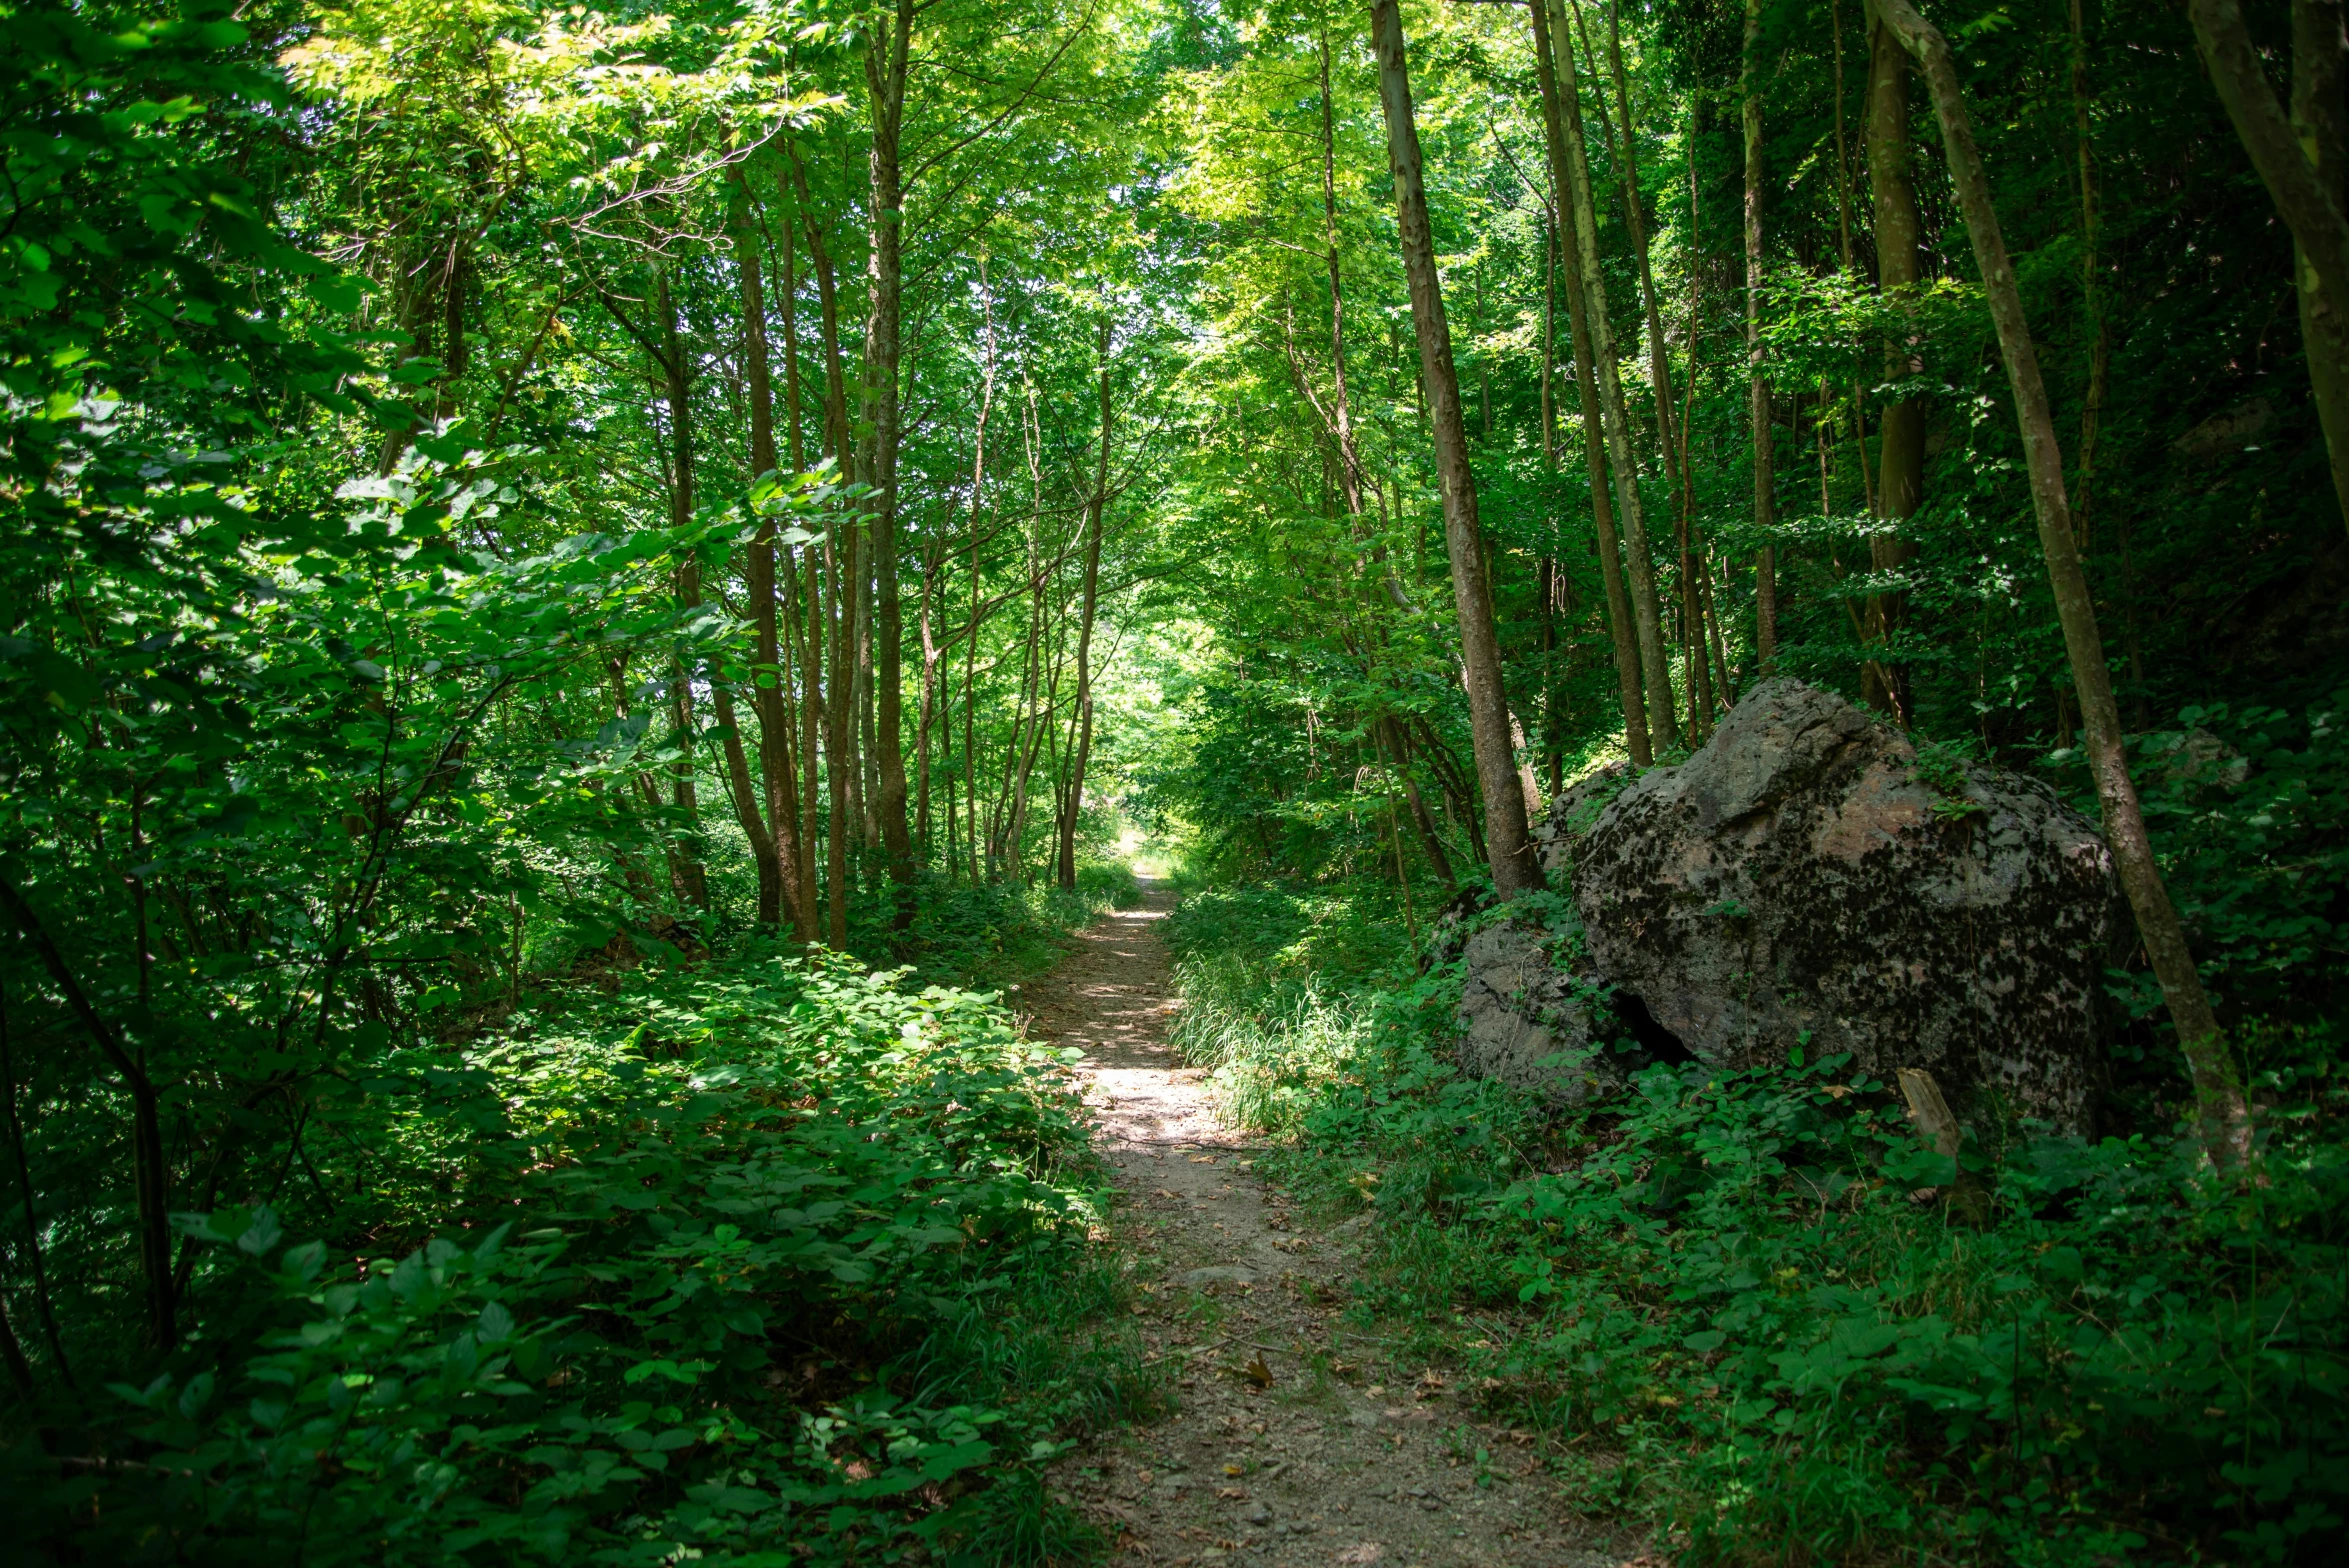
(592, 595)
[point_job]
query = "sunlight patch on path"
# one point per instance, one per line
(1294, 1442)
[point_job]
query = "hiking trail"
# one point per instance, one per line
(1294, 1440)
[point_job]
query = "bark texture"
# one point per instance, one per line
(1639, 558)
(1757, 381)
(1620, 633)
(1488, 707)
(885, 76)
(1900, 483)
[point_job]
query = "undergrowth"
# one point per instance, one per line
(757, 1259)
(1735, 1307)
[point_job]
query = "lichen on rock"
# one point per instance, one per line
(1804, 878)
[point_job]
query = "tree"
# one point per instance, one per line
(1900, 462)
(1639, 558)
(1569, 225)
(2225, 1121)
(2302, 157)
(1513, 866)
(1758, 381)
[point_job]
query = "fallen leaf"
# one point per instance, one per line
(1233, 1470)
(1231, 1493)
(1257, 1373)
(1362, 1553)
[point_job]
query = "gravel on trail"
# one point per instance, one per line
(1294, 1441)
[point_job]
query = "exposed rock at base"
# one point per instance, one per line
(1798, 878)
(1527, 1022)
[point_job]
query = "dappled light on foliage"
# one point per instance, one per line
(592, 599)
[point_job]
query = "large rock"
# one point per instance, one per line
(1573, 813)
(1800, 878)
(1527, 1021)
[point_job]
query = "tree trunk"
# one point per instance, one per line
(885, 76)
(775, 848)
(2292, 160)
(1619, 620)
(1647, 613)
(828, 309)
(864, 783)
(2091, 291)
(1431, 844)
(970, 663)
(926, 714)
(808, 626)
(150, 1166)
(2226, 1125)
(1635, 214)
(1084, 696)
(1349, 457)
(802, 587)
(1034, 714)
(1703, 699)
(843, 569)
(1459, 790)
(1900, 427)
(1514, 870)
(2318, 119)
(693, 883)
(1669, 437)
(831, 601)
(795, 441)
(1757, 380)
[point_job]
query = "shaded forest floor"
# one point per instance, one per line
(1296, 1438)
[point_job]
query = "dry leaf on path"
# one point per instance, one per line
(1257, 1373)
(1362, 1553)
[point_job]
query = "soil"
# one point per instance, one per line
(1295, 1439)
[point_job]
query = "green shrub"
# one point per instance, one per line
(1740, 1301)
(728, 1270)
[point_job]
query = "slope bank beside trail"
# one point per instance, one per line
(1294, 1439)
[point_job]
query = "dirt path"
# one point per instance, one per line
(1294, 1441)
